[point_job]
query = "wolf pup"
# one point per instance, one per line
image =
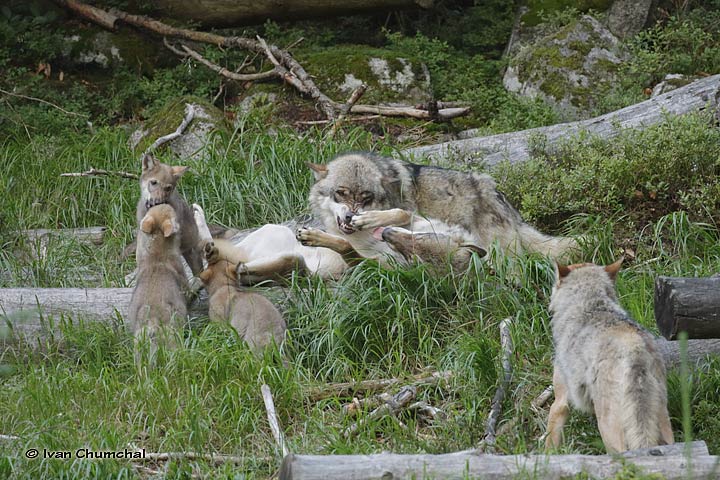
(157, 186)
(158, 300)
(254, 317)
(605, 363)
(361, 192)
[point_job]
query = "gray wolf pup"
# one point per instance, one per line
(157, 186)
(358, 192)
(605, 363)
(253, 316)
(158, 300)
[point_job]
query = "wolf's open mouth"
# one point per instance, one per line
(344, 227)
(152, 202)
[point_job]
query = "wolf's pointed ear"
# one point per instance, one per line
(231, 270)
(614, 268)
(169, 227)
(561, 270)
(475, 248)
(178, 171)
(147, 224)
(148, 162)
(319, 171)
(205, 275)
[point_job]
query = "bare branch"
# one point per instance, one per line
(354, 97)
(496, 408)
(398, 402)
(348, 388)
(189, 115)
(45, 102)
(96, 172)
(273, 419)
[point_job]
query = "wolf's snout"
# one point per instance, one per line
(348, 217)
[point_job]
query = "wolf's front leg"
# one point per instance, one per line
(278, 269)
(312, 237)
(395, 217)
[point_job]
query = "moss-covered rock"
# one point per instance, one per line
(338, 71)
(93, 47)
(568, 68)
(194, 140)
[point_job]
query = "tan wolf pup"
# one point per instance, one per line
(158, 301)
(253, 316)
(605, 363)
(358, 192)
(157, 186)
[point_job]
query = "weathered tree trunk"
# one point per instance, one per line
(691, 305)
(515, 147)
(462, 465)
(216, 13)
(697, 351)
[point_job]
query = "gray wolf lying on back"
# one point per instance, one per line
(359, 192)
(605, 363)
(158, 302)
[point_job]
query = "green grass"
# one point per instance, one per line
(80, 389)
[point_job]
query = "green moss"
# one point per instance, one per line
(538, 9)
(329, 67)
(167, 119)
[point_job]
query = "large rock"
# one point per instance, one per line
(93, 47)
(390, 78)
(628, 17)
(194, 140)
(568, 67)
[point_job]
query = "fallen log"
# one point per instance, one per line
(689, 305)
(463, 465)
(515, 147)
(227, 13)
(92, 235)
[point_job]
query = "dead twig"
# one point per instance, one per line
(354, 97)
(96, 172)
(348, 119)
(398, 402)
(496, 408)
(536, 405)
(189, 115)
(273, 419)
(408, 111)
(44, 102)
(240, 77)
(346, 389)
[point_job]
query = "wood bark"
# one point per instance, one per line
(225, 13)
(463, 465)
(516, 147)
(691, 305)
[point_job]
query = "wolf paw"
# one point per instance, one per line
(369, 220)
(308, 236)
(211, 252)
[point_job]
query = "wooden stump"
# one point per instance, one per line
(691, 305)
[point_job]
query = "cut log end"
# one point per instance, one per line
(691, 305)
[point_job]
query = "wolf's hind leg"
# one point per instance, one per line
(610, 424)
(559, 413)
(277, 268)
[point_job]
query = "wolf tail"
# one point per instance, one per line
(557, 248)
(644, 402)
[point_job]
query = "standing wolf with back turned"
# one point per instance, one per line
(605, 363)
(357, 193)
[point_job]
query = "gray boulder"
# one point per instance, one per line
(626, 18)
(568, 67)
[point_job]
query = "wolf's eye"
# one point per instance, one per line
(341, 193)
(153, 182)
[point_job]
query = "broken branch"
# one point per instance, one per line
(346, 389)
(354, 97)
(399, 401)
(496, 408)
(240, 77)
(96, 172)
(273, 419)
(189, 115)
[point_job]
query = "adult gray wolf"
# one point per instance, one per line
(158, 301)
(359, 192)
(605, 363)
(158, 183)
